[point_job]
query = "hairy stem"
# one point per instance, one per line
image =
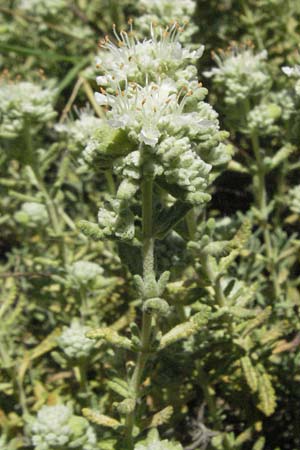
(261, 200)
(148, 276)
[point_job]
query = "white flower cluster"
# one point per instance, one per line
(241, 72)
(85, 271)
(155, 102)
(153, 442)
(295, 73)
(73, 341)
(164, 12)
(22, 103)
(32, 214)
(294, 199)
(129, 59)
(56, 427)
(42, 7)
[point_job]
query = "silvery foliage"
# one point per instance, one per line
(84, 272)
(56, 427)
(241, 72)
(23, 102)
(33, 214)
(153, 442)
(156, 117)
(73, 341)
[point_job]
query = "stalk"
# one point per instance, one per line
(261, 199)
(50, 205)
(148, 275)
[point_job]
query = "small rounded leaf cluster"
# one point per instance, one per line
(241, 73)
(56, 427)
(22, 103)
(74, 343)
(85, 271)
(262, 118)
(153, 442)
(32, 214)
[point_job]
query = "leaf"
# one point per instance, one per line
(111, 336)
(249, 373)
(100, 419)
(119, 386)
(44, 54)
(131, 257)
(44, 347)
(259, 444)
(185, 329)
(258, 320)
(266, 395)
(281, 156)
(168, 218)
(161, 417)
(90, 229)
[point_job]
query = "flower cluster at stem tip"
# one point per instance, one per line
(23, 102)
(156, 118)
(241, 71)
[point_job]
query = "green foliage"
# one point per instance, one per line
(149, 275)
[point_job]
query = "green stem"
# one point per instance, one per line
(110, 182)
(148, 277)
(50, 205)
(262, 203)
(83, 377)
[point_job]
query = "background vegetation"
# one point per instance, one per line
(233, 382)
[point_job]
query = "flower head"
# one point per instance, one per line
(242, 73)
(73, 341)
(22, 102)
(56, 427)
(130, 59)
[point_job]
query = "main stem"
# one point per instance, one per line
(262, 206)
(148, 275)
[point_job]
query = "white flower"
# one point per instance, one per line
(73, 341)
(24, 102)
(85, 271)
(134, 60)
(80, 130)
(241, 72)
(149, 109)
(165, 12)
